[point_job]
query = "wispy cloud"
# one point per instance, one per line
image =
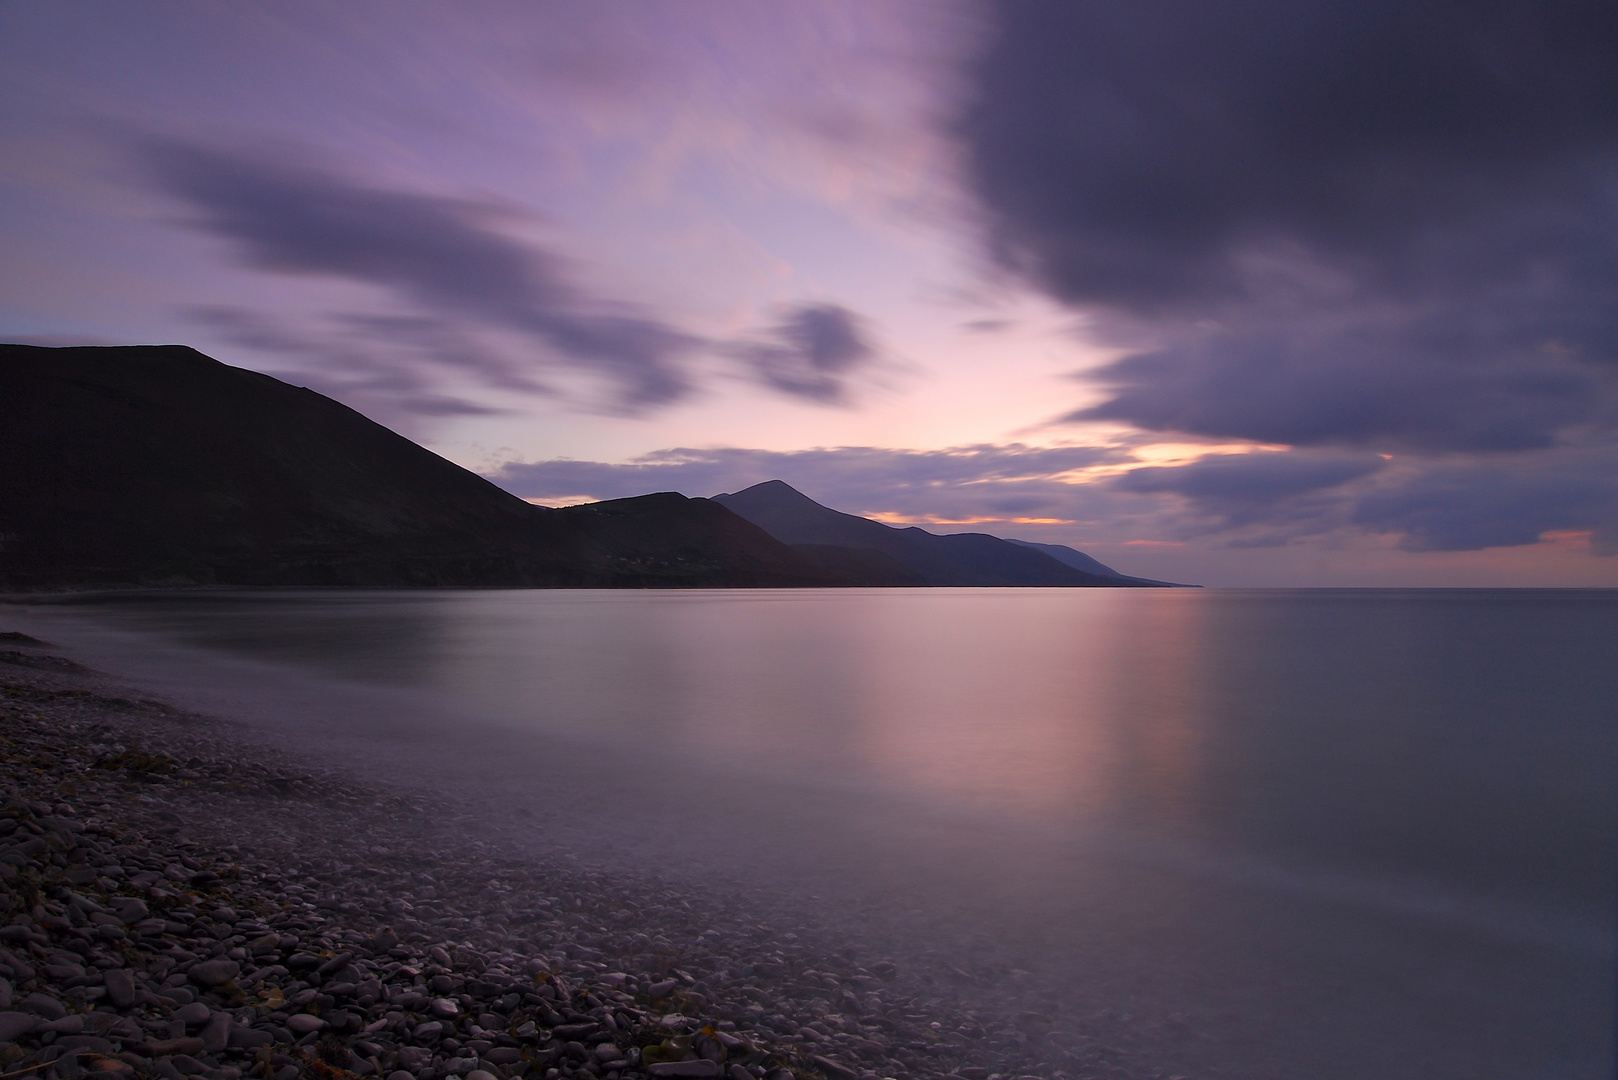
(436, 255)
(811, 352)
(460, 290)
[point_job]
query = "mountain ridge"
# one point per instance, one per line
(954, 559)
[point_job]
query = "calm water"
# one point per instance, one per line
(1305, 833)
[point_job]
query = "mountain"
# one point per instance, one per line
(1080, 561)
(1071, 556)
(156, 465)
(825, 535)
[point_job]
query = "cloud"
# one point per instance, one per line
(958, 482)
(1250, 478)
(436, 255)
(1467, 507)
(1257, 499)
(810, 353)
(1338, 223)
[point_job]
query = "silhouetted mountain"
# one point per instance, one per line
(157, 465)
(860, 566)
(957, 559)
(1080, 561)
(1073, 557)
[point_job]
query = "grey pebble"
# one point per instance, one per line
(44, 1005)
(14, 1025)
(212, 973)
(120, 988)
(194, 1014)
(696, 1070)
(215, 1034)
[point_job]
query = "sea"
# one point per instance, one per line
(1313, 834)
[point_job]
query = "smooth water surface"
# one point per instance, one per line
(1357, 832)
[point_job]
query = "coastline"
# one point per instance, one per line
(183, 902)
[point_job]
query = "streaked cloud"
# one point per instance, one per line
(811, 352)
(434, 254)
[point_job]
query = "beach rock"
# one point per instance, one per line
(686, 1070)
(215, 1034)
(413, 1058)
(304, 1023)
(194, 1014)
(834, 1070)
(43, 1005)
(164, 1047)
(120, 988)
(212, 973)
(72, 1024)
(131, 910)
(14, 1025)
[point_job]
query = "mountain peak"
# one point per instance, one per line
(959, 559)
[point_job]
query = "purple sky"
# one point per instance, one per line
(1248, 294)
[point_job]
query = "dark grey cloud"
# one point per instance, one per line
(437, 255)
(1466, 507)
(811, 352)
(963, 481)
(1351, 222)
(1250, 478)
(1425, 383)
(1260, 498)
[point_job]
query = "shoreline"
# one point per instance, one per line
(195, 904)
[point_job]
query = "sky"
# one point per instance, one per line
(1245, 294)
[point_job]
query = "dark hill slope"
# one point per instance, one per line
(666, 539)
(957, 559)
(158, 465)
(1079, 560)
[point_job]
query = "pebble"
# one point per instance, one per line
(44, 1005)
(695, 1070)
(193, 1015)
(14, 1025)
(184, 906)
(213, 973)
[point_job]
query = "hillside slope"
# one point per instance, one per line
(156, 465)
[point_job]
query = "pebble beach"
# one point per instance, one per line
(176, 901)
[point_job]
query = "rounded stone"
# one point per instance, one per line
(211, 973)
